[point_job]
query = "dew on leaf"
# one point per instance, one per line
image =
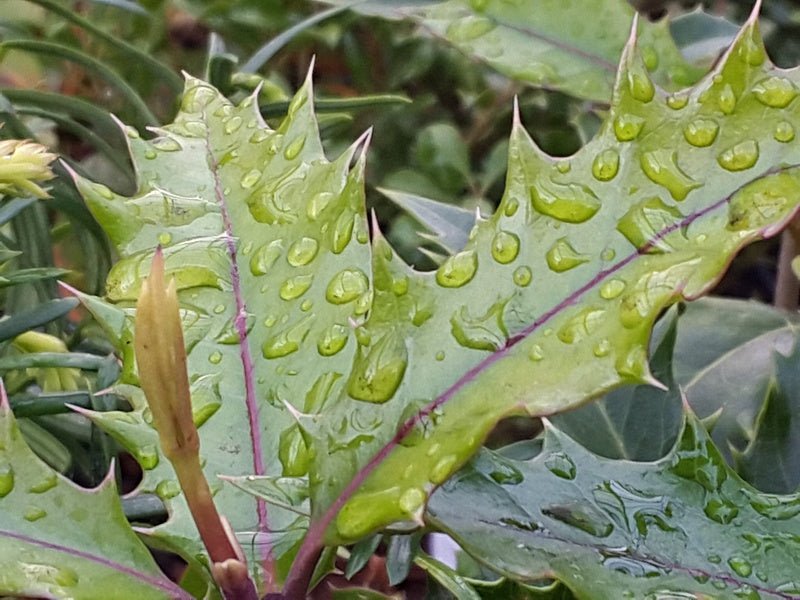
(571, 202)
(47, 483)
(197, 98)
(168, 488)
(411, 501)
(606, 165)
(633, 366)
(481, 332)
(536, 353)
(164, 238)
(522, 276)
(661, 167)
(443, 468)
(561, 465)
(259, 136)
(628, 127)
(34, 513)
(343, 232)
(333, 340)
(640, 86)
(632, 567)
(741, 566)
(292, 452)
(726, 99)
(645, 223)
(562, 256)
(602, 348)
(296, 104)
(288, 341)
(458, 269)
(294, 287)
(469, 28)
(377, 372)
(775, 507)
(505, 247)
(147, 456)
(400, 286)
(608, 254)
(265, 257)
(150, 154)
(612, 289)
(439, 356)
(563, 166)
(701, 132)
(511, 206)
(233, 124)
(346, 286)
(775, 92)
(678, 100)
(582, 516)
(751, 49)
(302, 251)
(195, 129)
(294, 148)
(784, 132)
(215, 357)
(250, 178)
(166, 144)
(219, 309)
(720, 510)
(6, 479)
(581, 326)
(739, 157)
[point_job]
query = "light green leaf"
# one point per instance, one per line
(685, 526)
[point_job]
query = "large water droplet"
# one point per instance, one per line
(6, 479)
(562, 256)
(701, 132)
(726, 100)
(640, 86)
(775, 92)
(333, 340)
(661, 167)
(606, 165)
(458, 270)
(377, 374)
(784, 132)
(484, 332)
(522, 276)
(292, 452)
(751, 49)
(628, 127)
(346, 286)
(645, 224)
(571, 202)
(739, 157)
(505, 247)
(294, 287)
(265, 257)
(561, 465)
(302, 251)
(342, 232)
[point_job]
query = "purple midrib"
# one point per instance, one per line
(157, 582)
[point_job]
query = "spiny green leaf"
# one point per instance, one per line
(685, 526)
(52, 542)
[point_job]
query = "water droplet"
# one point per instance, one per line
(775, 92)
(215, 357)
(169, 488)
(294, 287)
(6, 479)
(649, 57)
(582, 516)
(400, 286)
(292, 452)
(511, 206)
(751, 49)
(333, 340)
(522, 276)
(602, 348)
(443, 468)
(298, 102)
(197, 98)
(48, 483)
(294, 148)
(563, 166)
(439, 356)
(633, 366)
(784, 132)
(536, 354)
(581, 326)
(701, 132)
(571, 203)
(661, 167)
(411, 501)
(288, 341)
(260, 135)
(131, 132)
(34, 513)
(302, 251)
(714, 559)
(628, 127)
(377, 374)
(457, 270)
(103, 190)
(677, 100)
(346, 286)
(505, 247)
(739, 157)
(726, 100)
(562, 256)
(608, 254)
(612, 288)
(720, 510)
(219, 309)
(233, 124)
(251, 178)
(639, 84)
(645, 224)
(265, 257)
(561, 465)
(484, 332)
(164, 238)
(147, 456)
(150, 154)
(606, 165)
(741, 566)
(343, 232)
(469, 28)
(365, 511)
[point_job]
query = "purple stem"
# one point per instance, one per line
(303, 566)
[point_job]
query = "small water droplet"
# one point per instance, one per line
(741, 566)
(536, 354)
(677, 100)
(411, 501)
(751, 49)
(132, 133)
(346, 286)
(150, 154)
(233, 124)
(297, 103)
(333, 340)
(522, 276)
(482, 332)
(443, 468)
(302, 251)
(458, 269)
(740, 157)
(34, 513)
(215, 357)
(510, 207)
(251, 178)
(561, 465)
(639, 84)
(726, 100)
(260, 135)
(606, 165)
(343, 232)
(219, 309)
(505, 247)
(701, 132)
(661, 167)
(608, 254)
(775, 92)
(563, 166)
(294, 148)
(168, 488)
(633, 366)
(164, 238)
(166, 144)
(571, 203)
(439, 356)
(103, 190)
(628, 127)
(562, 256)
(47, 483)
(602, 348)
(469, 28)
(6, 479)
(649, 57)
(784, 132)
(265, 257)
(400, 286)
(292, 452)
(612, 288)
(294, 287)
(714, 559)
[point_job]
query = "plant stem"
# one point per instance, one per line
(787, 286)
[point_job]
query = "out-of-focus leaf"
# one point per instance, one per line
(701, 36)
(48, 311)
